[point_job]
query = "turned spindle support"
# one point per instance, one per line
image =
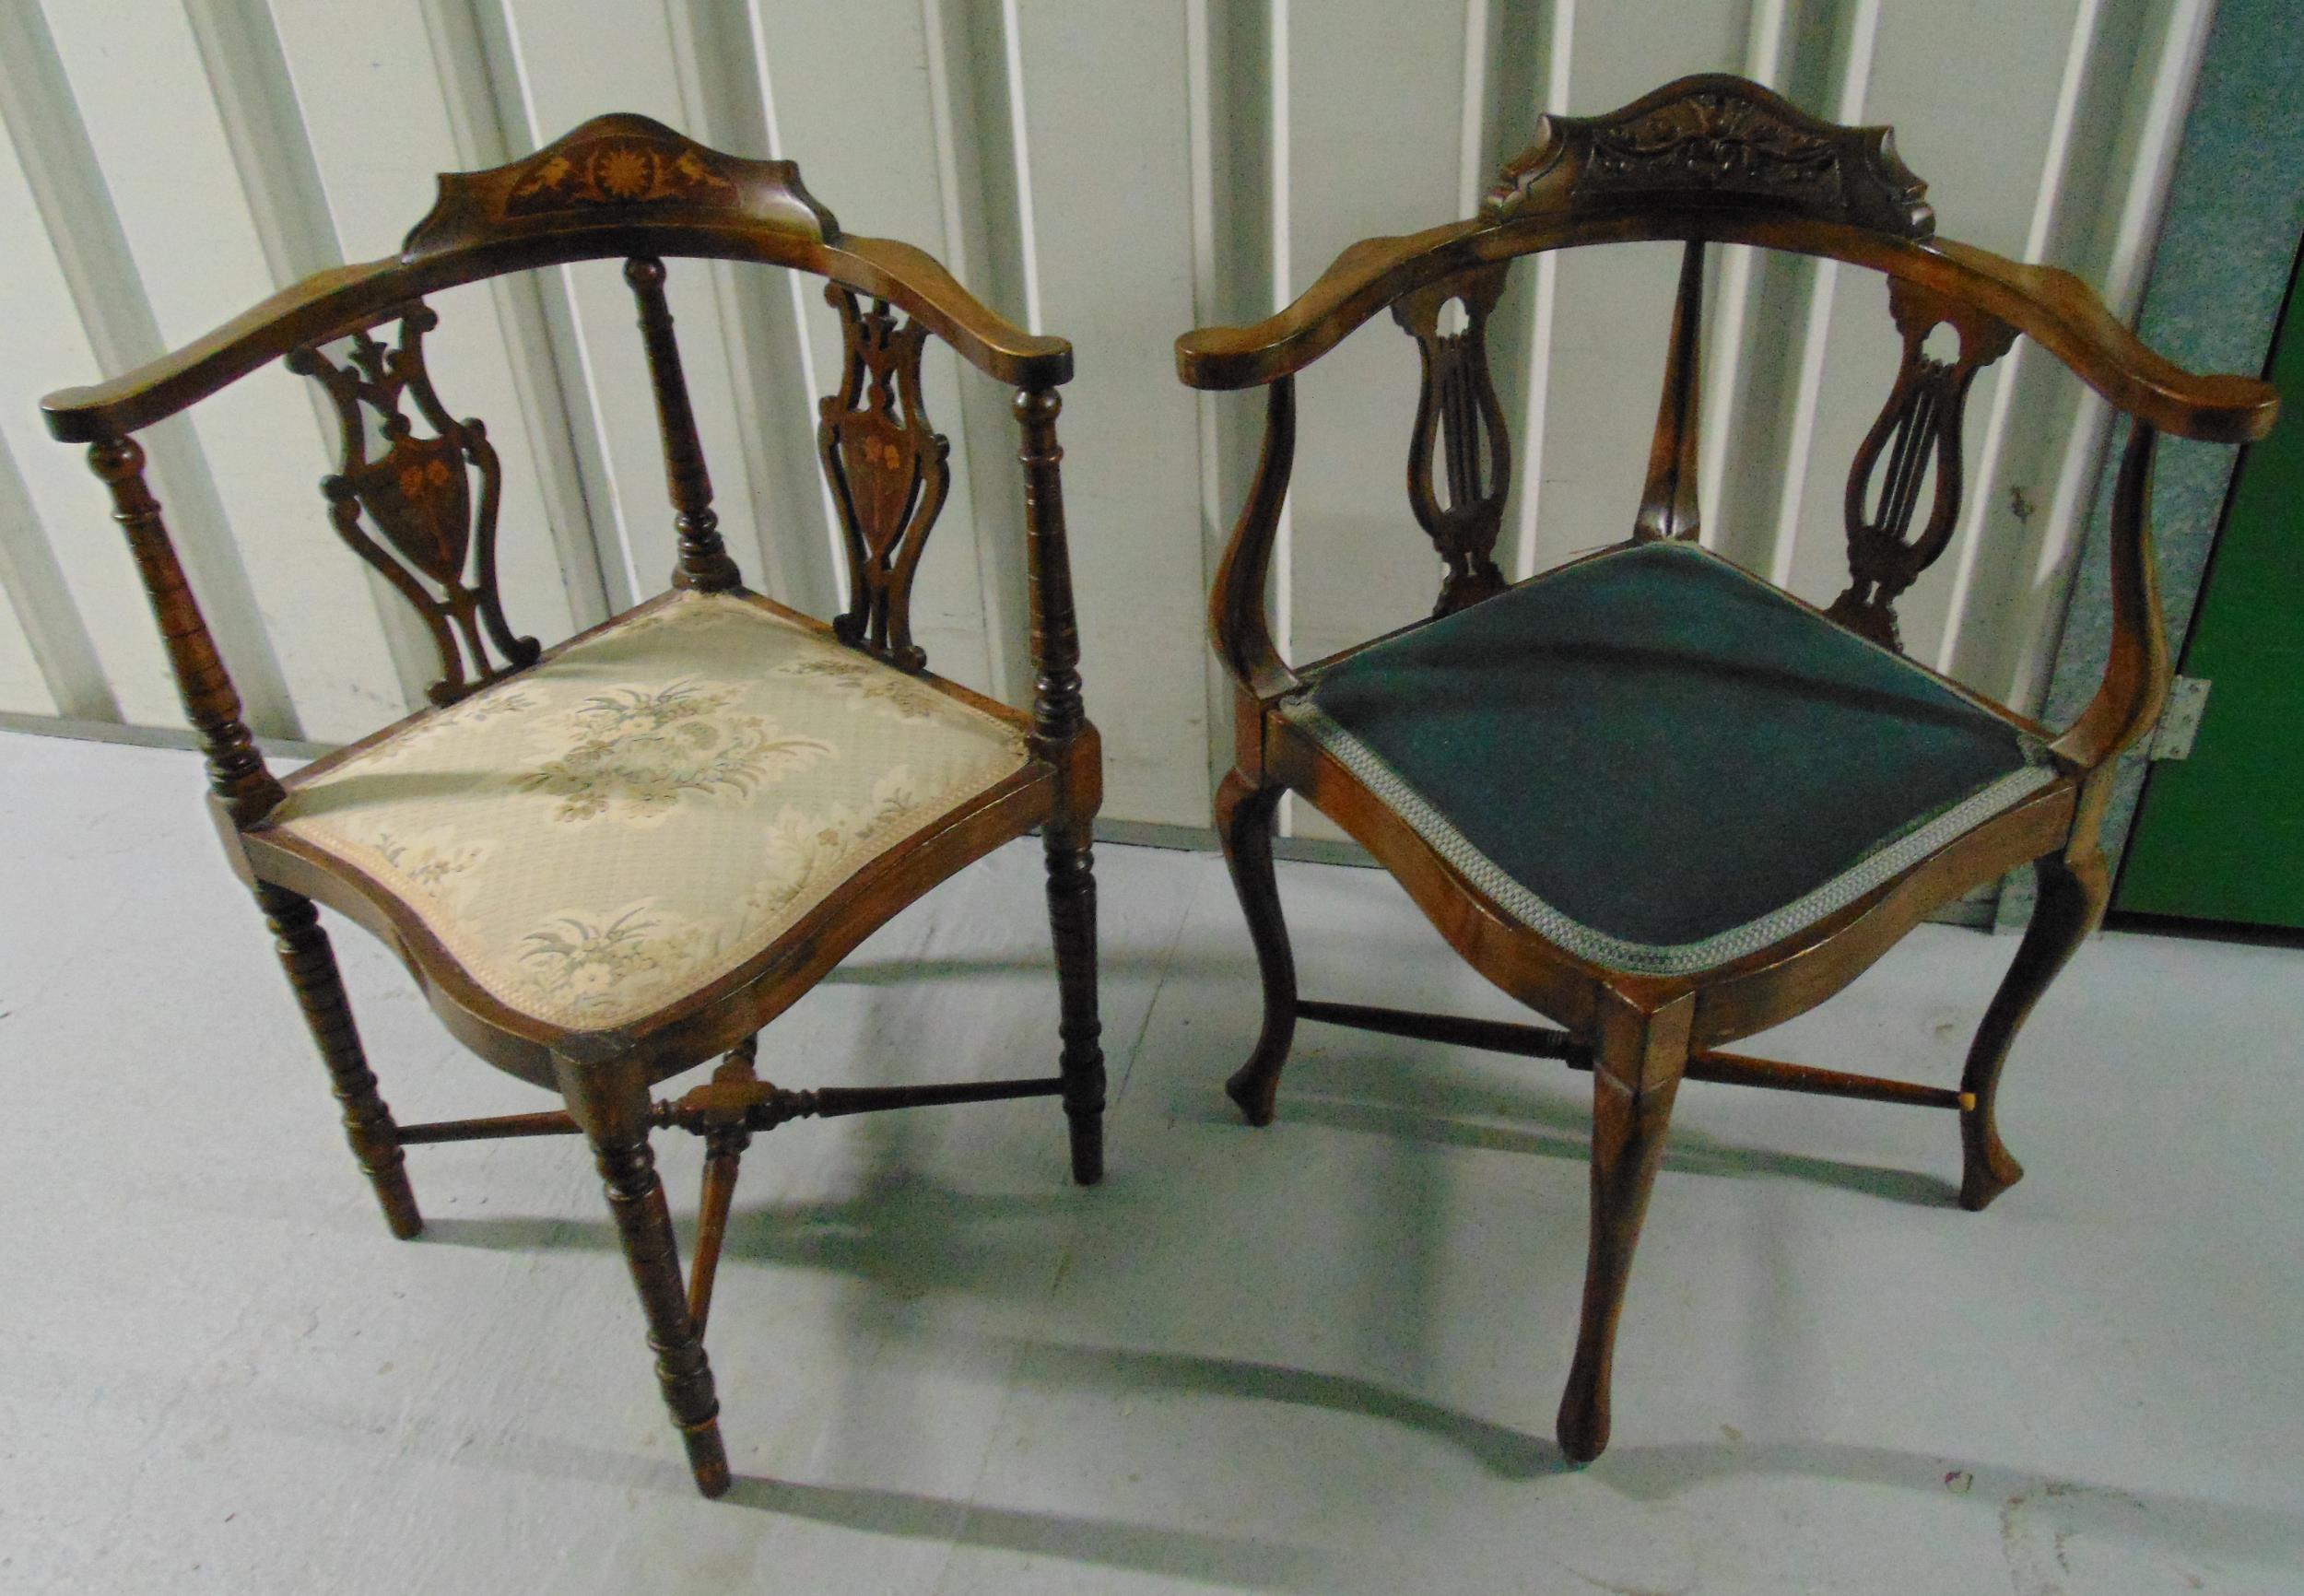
(1061, 729)
(704, 563)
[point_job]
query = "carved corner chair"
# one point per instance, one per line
(1646, 794)
(609, 862)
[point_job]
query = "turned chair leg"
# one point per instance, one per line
(1072, 919)
(1245, 815)
(2072, 899)
(610, 1102)
(1636, 1072)
(311, 964)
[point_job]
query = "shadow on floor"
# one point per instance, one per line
(1505, 1452)
(910, 1235)
(2030, 1506)
(2037, 1513)
(1229, 1561)
(1688, 1151)
(1223, 1560)
(1373, 1095)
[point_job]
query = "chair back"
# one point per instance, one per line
(416, 489)
(1717, 158)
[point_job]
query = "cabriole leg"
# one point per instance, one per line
(611, 1102)
(1245, 815)
(1071, 918)
(2072, 899)
(1636, 1073)
(311, 964)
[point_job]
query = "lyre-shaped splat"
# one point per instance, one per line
(888, 470)
(1459, 421)
(1919, 424)
(417, 494)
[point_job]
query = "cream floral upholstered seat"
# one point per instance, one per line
(650, 806)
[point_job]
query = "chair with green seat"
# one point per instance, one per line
(1646, 794)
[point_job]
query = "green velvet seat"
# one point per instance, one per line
(1661, 762)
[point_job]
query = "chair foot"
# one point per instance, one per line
(1087, 1132)
(2072, 898)
(397, 1199)
(1988, 1168)
(1637, 1070)
(708, 1457)
(1244, 815)
(1254, 1088)
(1071, 921)
(311, 963)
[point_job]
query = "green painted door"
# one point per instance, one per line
(2220, 835)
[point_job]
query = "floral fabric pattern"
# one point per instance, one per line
(634, 817)
(639, 750)
(878, 687)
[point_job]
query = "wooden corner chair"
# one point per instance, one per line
(612, 860)
(1645, 793)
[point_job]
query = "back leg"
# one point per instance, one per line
(723, 1158)
(311, 964)
(2072, 899)
(1071, 921)
(1245, 815)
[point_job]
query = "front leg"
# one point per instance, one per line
(1636, 1073)
(610, 1101)
(1244, 816)
(2072, 900)
(311, 963)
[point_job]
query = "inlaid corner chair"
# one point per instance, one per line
(612, 860)
(1646, 794)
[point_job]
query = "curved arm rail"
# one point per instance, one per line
(2053, 307)
(345, 297)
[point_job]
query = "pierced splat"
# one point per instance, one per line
(889, 474)
(1459, 422)
(417, 493)
(1920, 425)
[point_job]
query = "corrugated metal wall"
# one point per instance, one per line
(1112, 171)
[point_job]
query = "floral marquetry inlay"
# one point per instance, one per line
(887, 471)
(620, 171)
(404, 500)
(612, 171)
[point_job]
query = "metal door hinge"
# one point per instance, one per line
(2180, 718)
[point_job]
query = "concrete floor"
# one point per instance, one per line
(1321, 1357)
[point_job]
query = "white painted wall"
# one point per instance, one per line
(1114, 172)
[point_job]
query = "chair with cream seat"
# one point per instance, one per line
(612, 860)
